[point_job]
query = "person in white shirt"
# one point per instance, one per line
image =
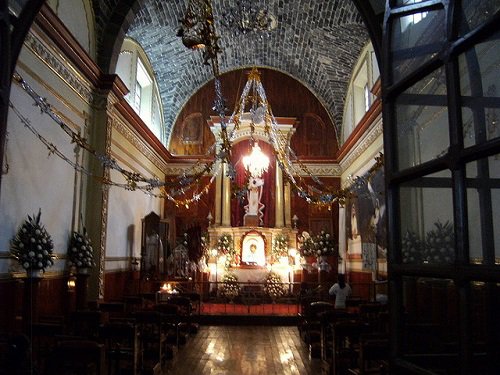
(341, 290)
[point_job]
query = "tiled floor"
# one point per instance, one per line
(245, 350)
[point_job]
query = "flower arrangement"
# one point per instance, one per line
(80, 251)
(440, 244)
(411, 248)
(306, 245)
(324, 244)
(225, 247)
(225, 244)
(318, 245)
(230, 286)
(274, 287)
(280, 246)
(32, 246)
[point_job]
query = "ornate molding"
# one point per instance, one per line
(177, 169)
(362, 145)
(321, 170)
(60, 66)
(140, 145)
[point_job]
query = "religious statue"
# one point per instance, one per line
(153, 261)
(354, 223)
(254, 208)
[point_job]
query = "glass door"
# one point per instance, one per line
(441, 95)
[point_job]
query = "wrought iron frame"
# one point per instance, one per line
(462, 271)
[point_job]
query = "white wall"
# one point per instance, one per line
(36, 178)
(127, 208)
(78, 17)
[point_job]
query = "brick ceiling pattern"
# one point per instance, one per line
(316, 42)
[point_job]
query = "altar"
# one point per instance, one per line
(250, 268)
(254, 274)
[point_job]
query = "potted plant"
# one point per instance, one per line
(33, 247)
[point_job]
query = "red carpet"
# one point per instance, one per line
(239, 309)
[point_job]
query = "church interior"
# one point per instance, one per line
(188, 174)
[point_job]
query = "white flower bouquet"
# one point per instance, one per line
(324, 244)
(80, 251)
(32, 246)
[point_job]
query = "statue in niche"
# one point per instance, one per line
(254, 210)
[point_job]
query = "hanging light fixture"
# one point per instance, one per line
(197, 30)
(257, 162)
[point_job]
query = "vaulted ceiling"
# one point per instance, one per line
(316, 42)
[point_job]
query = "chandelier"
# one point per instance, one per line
(197, 30)
(257, 162)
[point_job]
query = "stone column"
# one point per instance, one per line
(226, 198)
(279, 209)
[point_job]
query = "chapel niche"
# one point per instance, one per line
(154, 246)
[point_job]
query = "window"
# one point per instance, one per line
(143, 100)
(136, 72)
(137, 96)
(367, 98)
(359, 96)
